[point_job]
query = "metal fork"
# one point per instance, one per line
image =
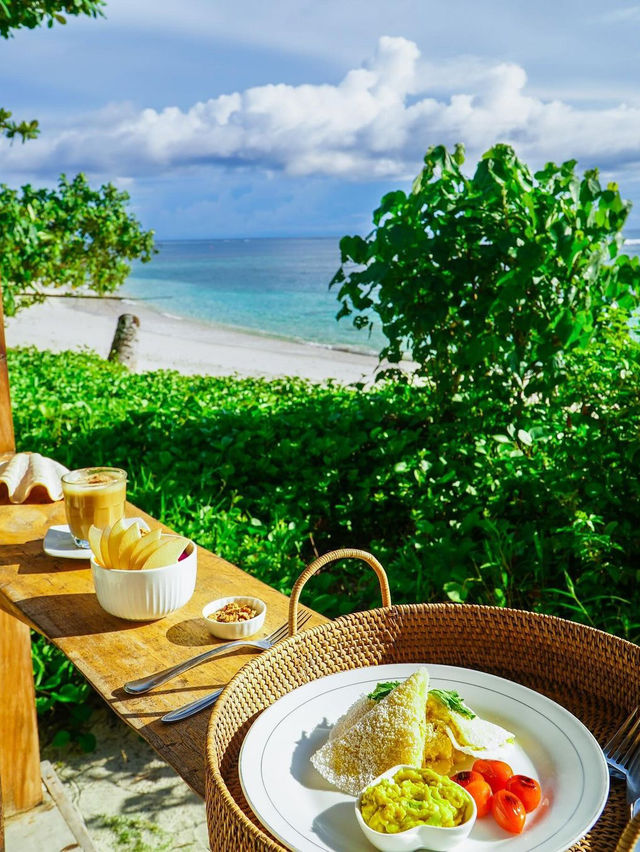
(144, 684)
(623, 756)
(207, 700)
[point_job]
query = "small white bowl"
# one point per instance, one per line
(432, 837)
(235, 629)
(148, 594)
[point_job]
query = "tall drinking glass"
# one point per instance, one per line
(93, 495)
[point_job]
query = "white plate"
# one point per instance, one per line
(59, 542)
(306, 813)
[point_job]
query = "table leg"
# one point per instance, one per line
(1, 821)
(19, 748)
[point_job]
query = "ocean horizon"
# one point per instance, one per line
(273, 286)
(278, 287)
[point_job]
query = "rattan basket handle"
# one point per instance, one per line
(630, 836)
(320, 562)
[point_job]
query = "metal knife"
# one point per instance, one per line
(190, 709)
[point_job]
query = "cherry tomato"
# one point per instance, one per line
(508, 811)
(481, 793)
(465, 777)
(494, 772)
(526, 789)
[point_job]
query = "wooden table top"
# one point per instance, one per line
(56, 598)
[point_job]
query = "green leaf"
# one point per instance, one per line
(502, 439)
(354, 249)
(61, 739)
(383, 689)
(524, 437)
(452, 700)
(456, 592)
(87, 742)
(392, 202)
(458, 154)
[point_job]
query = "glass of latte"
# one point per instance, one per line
(93, 495)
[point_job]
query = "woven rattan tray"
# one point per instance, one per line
(594, 675)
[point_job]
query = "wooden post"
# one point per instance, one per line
(124, 347)
(19, 747)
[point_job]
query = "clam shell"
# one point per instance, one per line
(25, 473)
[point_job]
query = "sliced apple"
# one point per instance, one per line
(95, 536)
(128, 541)
(117, 531)
(167, 552)
(143, 548)
(104, 547)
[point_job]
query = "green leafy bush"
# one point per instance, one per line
(491, 281)
(470, 507)
(62, 697)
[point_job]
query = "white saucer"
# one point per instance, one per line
(59, 542)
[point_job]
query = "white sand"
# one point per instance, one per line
(167, 342)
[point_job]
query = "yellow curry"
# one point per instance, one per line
(414, 797)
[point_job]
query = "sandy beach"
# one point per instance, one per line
(171, 342)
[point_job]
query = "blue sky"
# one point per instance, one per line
(254, 118)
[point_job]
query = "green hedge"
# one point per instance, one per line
(468, 508)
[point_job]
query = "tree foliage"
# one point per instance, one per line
(29, 14)
(489, 281)
(11, 129)
(71, 236)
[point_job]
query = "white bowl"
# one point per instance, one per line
(235, 629)
(147, 594)
(432, 837)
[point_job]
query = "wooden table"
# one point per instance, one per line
(56, 598)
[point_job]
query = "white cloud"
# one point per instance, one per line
(376, 123)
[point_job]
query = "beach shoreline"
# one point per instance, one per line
(168, 341)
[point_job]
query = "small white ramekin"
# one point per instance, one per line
(432, 837)
(235, 629)
(148, 594)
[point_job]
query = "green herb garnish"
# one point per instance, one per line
(453, 701)
(383, 689)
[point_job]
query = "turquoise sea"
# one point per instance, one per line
(277, 287)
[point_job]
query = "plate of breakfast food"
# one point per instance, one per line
(345, 761)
